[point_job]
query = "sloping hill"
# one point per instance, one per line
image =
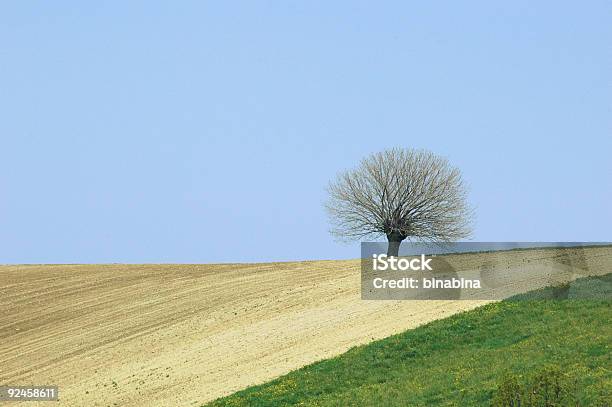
(187, 334)
(463, 360)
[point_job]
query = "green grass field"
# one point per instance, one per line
(461, 360)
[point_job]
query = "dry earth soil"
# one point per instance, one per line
(181, 335)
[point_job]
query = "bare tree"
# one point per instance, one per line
(401, 194)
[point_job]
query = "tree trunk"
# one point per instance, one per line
(395, 240)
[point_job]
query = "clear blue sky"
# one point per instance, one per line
(208, 131)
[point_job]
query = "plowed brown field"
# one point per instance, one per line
(180, 335)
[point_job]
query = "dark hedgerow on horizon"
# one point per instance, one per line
(472, 358)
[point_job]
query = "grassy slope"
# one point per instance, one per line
(460, 360)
